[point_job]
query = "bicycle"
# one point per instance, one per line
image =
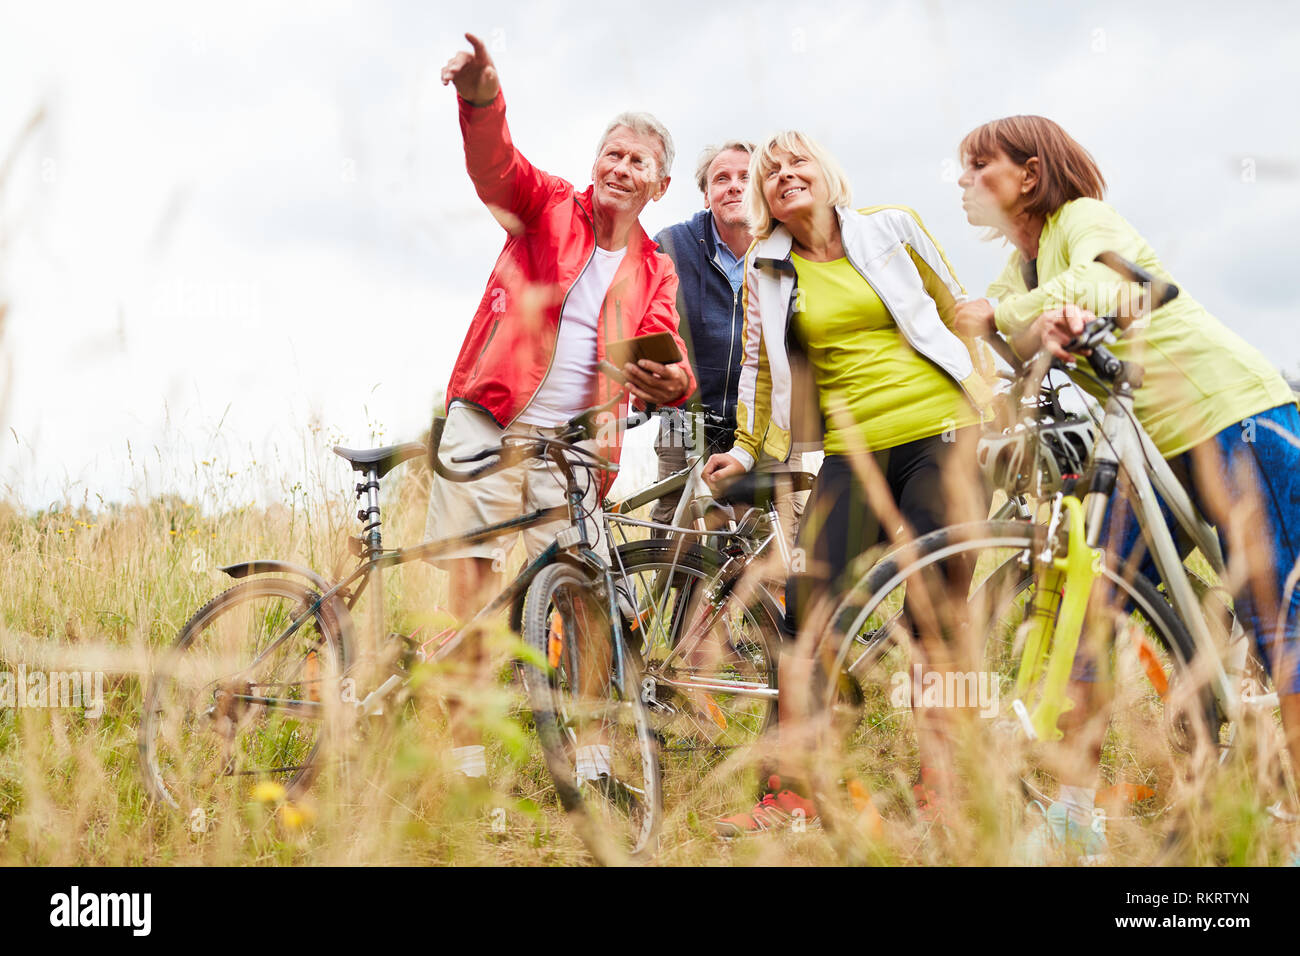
(262, 682)
(1053, 599)
(709, 591)
(708, 645)
(712, 627)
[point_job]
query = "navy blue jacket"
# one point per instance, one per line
(712, 315)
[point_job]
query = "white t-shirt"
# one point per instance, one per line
(566, 390)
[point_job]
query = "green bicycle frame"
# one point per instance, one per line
(1067, 584)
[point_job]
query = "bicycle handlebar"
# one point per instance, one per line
(515, 449)
(580, 427)
(508, 455)
(1092, 339)
(1162, 292)
(1003, 348)
(1096, 331)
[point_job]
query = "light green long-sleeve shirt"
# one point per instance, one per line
(1200, 376)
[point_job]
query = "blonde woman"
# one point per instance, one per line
(865, 298)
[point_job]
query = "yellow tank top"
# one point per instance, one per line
(875, 390)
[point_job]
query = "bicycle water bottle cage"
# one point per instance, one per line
(1069, 578)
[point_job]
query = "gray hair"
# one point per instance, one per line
(645, 125)
(713, 152)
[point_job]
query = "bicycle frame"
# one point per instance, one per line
(733, 568)
(572, 540)
(1122, 444)
(1125, 444)
(693, 490)
(689, 481)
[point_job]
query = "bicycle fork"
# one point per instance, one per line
(1062, 591)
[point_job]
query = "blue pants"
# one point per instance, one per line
(1257, 458)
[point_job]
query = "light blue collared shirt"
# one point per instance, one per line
(726, 259)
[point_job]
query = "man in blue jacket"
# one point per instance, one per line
(708, 251)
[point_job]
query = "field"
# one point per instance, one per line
(105, 590)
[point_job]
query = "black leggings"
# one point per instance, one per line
(838, 523)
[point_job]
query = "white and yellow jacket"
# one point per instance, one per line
(897, 257)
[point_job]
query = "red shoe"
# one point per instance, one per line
(930, 806)
(778, 809)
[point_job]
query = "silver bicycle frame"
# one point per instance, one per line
(1123, 442)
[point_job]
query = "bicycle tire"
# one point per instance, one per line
(1190, 727)
(617, 814)
(668, 585)
(203, 745)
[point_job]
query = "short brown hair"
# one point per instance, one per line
(711, 153)
(1065, 169)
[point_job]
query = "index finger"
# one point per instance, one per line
(480, 51)
(650, 365)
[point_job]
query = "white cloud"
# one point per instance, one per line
(261, 211)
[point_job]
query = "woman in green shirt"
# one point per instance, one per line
(1204, 389)
(867, 298)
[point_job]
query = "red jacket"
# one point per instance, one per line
(511, 341)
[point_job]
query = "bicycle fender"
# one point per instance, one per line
(246, 568)
(342, 616)
(517, 606)
(517, 613)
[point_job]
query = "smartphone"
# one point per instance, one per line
(657, 347)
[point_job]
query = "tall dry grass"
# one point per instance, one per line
(108, 588)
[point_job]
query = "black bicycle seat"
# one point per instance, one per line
(382, 460)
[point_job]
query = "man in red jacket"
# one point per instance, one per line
(577, 272)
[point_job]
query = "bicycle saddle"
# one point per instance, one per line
(383, 460)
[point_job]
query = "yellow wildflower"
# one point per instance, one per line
(268, 791)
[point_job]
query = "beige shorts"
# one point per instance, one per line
(458, 507)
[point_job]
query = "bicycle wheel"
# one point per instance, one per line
(243, 698)
(593, 726)
(1159, 728)
(709, 656)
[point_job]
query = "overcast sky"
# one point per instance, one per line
(242, 222)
